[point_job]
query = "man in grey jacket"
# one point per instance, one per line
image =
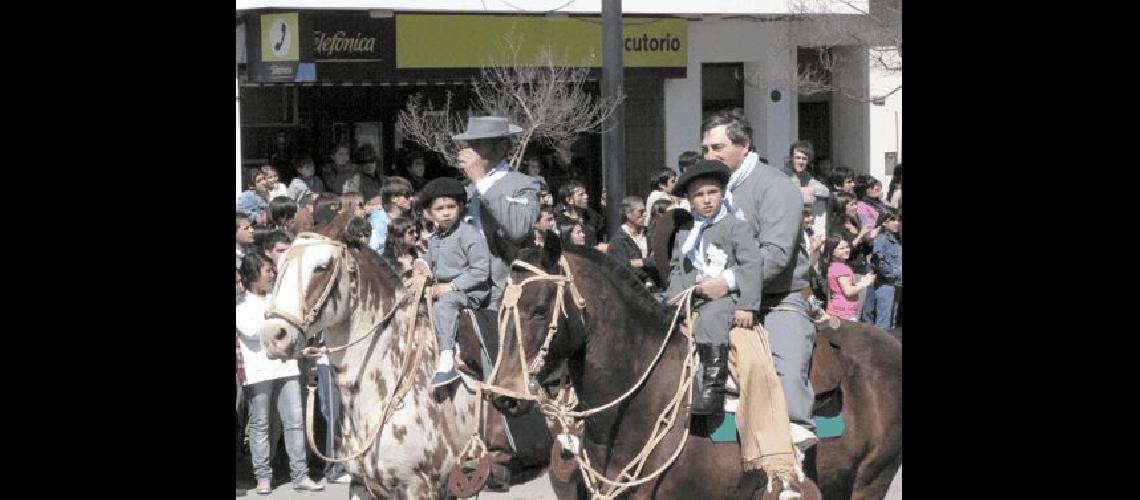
(764, 196)
(503, 203)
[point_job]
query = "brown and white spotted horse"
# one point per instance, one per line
(345, 291)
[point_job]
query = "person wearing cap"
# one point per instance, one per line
(719, 245)
(503, 203)
(460, 264)
(774, 206)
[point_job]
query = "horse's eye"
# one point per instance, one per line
(321, 268)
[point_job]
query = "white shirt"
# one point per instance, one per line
(258, 367)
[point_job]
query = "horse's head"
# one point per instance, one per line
(311, 294)
(541, 303)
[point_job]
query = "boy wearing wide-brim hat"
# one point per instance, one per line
(719, 245)
(503, 203)
(460, 264)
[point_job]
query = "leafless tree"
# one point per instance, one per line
(432, 128)
(875, 27)
(547, 99)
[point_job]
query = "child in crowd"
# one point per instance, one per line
(719, 245)
(460, 264)
(843, 301)
(255, 199)
(244, 235)
(403, 243)
(282, 210)
(306, 180)
(886, 257)
(396, 201)
(272, 180)
(357, 231)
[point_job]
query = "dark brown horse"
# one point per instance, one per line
(611, 342)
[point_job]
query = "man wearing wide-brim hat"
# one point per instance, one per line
(503, 203)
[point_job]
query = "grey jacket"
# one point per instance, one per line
(506, 211)
(737, 238)
(460, 257)
(775, 207)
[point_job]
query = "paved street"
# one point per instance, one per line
(537, 489)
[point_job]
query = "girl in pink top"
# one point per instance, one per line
(844, 293)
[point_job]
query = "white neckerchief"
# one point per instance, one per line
(474, 215)
(497, 172)
(750, 161)
(692, 242)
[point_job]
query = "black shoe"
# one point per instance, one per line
(709, 398)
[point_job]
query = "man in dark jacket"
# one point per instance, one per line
(632, 247)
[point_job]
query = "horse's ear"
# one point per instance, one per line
(551, 251)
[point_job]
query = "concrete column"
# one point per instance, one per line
(237, 123)
(851, 113)
(756, 107)
(781, 116)
(683, 113)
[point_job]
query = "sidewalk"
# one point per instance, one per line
(536, 489)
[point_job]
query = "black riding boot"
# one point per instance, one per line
(709, 399)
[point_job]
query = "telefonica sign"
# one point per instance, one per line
(472, 40)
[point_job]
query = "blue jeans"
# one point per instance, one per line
(287, 392)
(867, 311)
(329, 397)
(885, 306)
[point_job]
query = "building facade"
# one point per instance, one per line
(312, 77)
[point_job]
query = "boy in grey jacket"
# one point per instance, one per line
(460, 264)
(719, 245)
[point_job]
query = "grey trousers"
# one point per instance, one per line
(792, 335)
(287, 394)
(714, 320)
(446, 310)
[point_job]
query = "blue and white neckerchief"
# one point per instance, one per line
(691, 247)
(750, 161)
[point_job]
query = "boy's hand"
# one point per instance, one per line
(437, 290)
(742, 319)
(713, 288)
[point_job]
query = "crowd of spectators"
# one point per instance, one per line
(851, 230)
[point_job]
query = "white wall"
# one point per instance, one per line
(850, 111)
(886, 135)
(763, 48)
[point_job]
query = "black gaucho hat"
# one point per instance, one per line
(443, 186)
(715, 169)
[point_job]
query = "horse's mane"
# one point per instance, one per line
(369, 258)
(629, 288)
(334, 227)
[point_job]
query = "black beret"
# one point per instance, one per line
(702, 169)
(443, 186)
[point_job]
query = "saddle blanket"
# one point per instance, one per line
(825, 427)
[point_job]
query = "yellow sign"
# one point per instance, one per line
(280, 37)
(472, 41)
